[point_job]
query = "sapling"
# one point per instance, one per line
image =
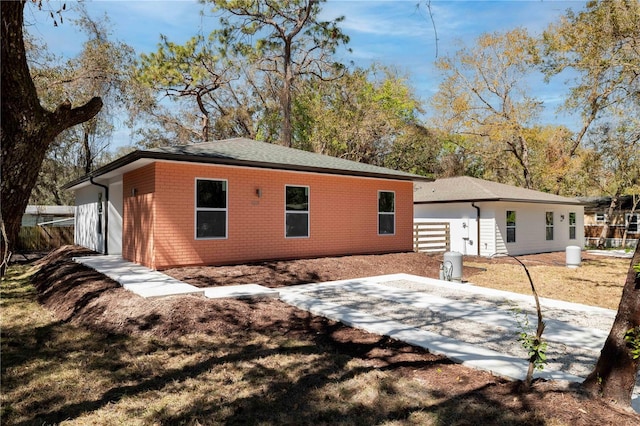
(535, 347)
(533, 343)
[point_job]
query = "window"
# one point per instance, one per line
(572, 226)
(211, 208)
(632, 223)
(549, 222)
(296, 211)
(386, 213)
(511, 226)
(600, 218)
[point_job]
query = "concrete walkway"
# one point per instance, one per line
(612, 253)
(148, 283)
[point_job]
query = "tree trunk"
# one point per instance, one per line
(607, 221)
(519, 148)
(287, 134)
(285, 95)
(205, 118)
(27, 129)
(634, 206)
(526, 168)
(616, 371)
(86, 146)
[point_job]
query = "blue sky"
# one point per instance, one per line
(394, 33)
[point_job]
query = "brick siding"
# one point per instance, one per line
(159, 215)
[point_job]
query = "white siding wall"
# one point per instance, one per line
(115, 217)
(90, 226)
(87, 232)
(530, 226)
(488, 243)
(462, 222)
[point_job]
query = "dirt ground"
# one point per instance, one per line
(283, 273)
(82, 296)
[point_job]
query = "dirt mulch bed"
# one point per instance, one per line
(284, 273)
(82, 296)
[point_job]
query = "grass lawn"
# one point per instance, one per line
(59, 372)
(598, 282)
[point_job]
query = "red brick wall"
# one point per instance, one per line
(138, 221)
(342, 213)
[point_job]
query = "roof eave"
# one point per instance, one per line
(510, 200)
(114, 165)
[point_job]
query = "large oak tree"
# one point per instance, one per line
(27, 127)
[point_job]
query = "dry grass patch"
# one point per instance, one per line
(597, 282)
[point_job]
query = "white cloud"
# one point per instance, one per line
(380, 18)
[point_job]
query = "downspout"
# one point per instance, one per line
(106, 213)
(473, 204)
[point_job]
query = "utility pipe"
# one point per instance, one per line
(473, 204)
(106, 213)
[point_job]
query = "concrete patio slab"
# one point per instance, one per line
(471, 355)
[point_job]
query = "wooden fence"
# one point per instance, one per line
(431, 237)
(37, 238)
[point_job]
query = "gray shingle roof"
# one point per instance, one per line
(467, 189)
(249, 153)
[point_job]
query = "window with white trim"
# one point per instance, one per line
(211, 209)
(386, 212)
(572, 225)
(600, 218)
(549, 225)
(296, 211)
(632, 222)
(511, 226)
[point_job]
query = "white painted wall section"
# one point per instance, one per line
(115, 217)
(89, 223)
(530, 226)
(462, 223)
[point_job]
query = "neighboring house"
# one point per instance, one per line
(239, 200)
(624, 217)
(48, 215)
(46, 227)
(488, 218)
